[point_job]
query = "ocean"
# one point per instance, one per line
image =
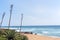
(40, 30)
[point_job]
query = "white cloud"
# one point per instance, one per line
(43, 16)
(36, 21)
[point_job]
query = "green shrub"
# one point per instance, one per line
(11, 34)
(1, 38)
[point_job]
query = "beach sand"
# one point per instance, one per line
(38, 37)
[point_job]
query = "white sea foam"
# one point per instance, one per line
(45, 32)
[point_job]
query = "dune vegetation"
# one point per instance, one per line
(11, 35)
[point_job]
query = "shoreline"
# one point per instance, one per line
(48, 36)
(40, 37)
(40, 34)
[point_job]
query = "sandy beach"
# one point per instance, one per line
(38, 37)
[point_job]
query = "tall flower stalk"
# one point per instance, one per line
(21, 22)
(10, 16)
(2, 19)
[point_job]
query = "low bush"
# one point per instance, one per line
(11, 35)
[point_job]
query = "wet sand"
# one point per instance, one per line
(38, 37)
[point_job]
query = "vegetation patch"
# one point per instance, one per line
(11, 35)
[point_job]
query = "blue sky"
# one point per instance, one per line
(36, 12)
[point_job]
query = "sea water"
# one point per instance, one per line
(43, 30)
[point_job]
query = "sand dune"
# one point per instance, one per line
(38, 37)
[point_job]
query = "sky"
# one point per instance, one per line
(35, 12)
